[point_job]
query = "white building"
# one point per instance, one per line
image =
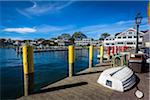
(83, 42)
(96, 42)
(109, 41)
(87, 41)
(126, 38)
(146, 39)
(62, 42)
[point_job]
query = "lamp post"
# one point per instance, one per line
(138, 20)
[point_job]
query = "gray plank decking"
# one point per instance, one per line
(84, 86)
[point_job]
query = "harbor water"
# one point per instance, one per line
(50, 67)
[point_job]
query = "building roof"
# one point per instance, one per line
(130, 29)
(110, 37)
(144, 31)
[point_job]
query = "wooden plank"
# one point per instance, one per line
(83, 86)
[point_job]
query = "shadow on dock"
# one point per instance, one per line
(61, 87)
(88, 73)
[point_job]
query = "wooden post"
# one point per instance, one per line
(123, 49)
(122, 60)
(28, 66)
(119, 49)
(113, 61)
(90, 56)
(113, 58)
(17, 49)
(71, 60)
(113, 50)
(108, 52)
(101, 53)
(116, 49)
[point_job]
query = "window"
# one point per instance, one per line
(134, 36)
(130, 32)
(129, 42)
(130, 37)
(124, 37)
(140, 42)
(107, 43)
(120, 42)
(109, 83)
(112, 43)
(119, 37)
(141, 36)
(106, 39)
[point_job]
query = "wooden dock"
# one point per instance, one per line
(84, 86)
(48, 50)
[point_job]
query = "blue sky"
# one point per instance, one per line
(47, 19)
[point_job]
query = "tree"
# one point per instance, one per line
(101, 39)
(53, 39)
(78, 36)
(64, 36)
(104, 35)
(59, 37)
(40, 39)
(71, 40)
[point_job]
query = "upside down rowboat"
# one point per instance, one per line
(118, 78)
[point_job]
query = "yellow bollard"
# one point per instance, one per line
(101, 53)
(122, 60)
(71, 60)
(90, 56)
(28, 67)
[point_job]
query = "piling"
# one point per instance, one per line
(101, 53)
(123, 48)
(120, 49)
(122, 60)
(28, 67)
(108, 52)
(71, 60)
(17, 49)
(113, 50)
(90, 56)
(113, 57)
(116, 49)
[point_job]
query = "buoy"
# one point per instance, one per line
(139, 94)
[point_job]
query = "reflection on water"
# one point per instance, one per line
(49, 67)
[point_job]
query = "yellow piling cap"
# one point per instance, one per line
(91, 52)
(71, 54)
(101, 51)
(28, 62)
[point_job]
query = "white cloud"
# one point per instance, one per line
(20, 30)
(125, 22)
(39, 8)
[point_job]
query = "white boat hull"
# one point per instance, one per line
(118, 78)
